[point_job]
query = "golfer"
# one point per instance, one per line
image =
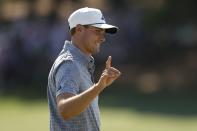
(72, 92)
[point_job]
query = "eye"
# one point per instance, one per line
(100, 31)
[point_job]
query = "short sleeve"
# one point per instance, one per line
(67, 78)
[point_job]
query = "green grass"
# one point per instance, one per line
(127, 120)
(20, 115)
(23, 116)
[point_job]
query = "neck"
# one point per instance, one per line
(80, 45)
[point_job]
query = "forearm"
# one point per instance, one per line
(74, 105)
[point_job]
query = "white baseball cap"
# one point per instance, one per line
(90, 16)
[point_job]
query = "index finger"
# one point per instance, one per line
(108, 62)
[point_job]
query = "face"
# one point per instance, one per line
(92, 39)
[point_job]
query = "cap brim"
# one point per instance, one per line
(108, 28)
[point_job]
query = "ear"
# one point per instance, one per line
(79, 28)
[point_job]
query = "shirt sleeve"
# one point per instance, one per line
(67, 78)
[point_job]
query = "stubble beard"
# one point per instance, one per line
(96, 49)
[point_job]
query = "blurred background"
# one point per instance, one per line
(155, 49)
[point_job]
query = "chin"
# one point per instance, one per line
(95, 51)
(96, 48)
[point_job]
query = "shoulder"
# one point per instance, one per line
(67, 71)
(65, 58)
(66, 63)
(63, 65)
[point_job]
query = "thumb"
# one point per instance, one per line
(108, 62)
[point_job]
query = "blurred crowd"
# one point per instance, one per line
(155, 48)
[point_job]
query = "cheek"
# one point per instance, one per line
(91, 38)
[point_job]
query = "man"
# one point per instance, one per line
(72, 93)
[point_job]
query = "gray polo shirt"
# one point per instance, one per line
(72, 72)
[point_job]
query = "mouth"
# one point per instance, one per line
(98, 44)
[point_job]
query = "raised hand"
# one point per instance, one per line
(109, 75)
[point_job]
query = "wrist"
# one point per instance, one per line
(98, 87)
